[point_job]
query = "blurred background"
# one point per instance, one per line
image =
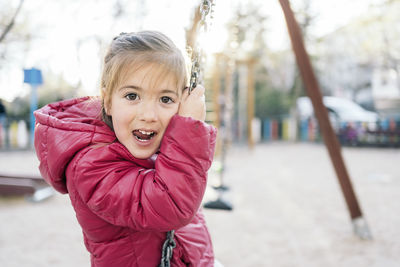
(53, 50)
(354, 49)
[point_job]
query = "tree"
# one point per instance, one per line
(14, 36)
(11, 23)
(270, 102)
(55, 88)
(363, 55)
(246, 31)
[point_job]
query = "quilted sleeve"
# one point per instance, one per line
(164, 197)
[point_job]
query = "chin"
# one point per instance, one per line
(142, 154)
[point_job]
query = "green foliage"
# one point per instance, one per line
(246, 30)
(270, 102)
(18, 109)
(54, 89)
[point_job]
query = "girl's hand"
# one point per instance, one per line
(193, 105)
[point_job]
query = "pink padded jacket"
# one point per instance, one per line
(126, 205)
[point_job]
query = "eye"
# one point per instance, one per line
(131, 96)
(166, 100)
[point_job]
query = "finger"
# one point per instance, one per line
(185, 93)
(199, 90)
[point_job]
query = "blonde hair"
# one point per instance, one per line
(129, 52)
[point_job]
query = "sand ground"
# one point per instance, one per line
(288, 211)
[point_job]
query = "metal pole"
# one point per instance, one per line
(32, 109)
(360, 227)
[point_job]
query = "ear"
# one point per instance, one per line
(107, 107)
(106, 102)
(107, 110)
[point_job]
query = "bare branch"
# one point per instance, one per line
(12, 22)
(192, 31)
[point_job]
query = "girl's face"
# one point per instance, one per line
(142, 109)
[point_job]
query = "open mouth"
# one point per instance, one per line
(142, 135)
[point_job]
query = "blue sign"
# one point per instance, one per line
(33, 76)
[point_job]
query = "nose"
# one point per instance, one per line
(148, 111)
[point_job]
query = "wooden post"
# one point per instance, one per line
(360, 227)
(250, 102)
(216, 88)
(216, 91)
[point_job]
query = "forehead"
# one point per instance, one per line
(148, 75)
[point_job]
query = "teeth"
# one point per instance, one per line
(146, 133)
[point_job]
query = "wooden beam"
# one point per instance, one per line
(250, 101)
(12, 184)
(216, 91)
(330, 139)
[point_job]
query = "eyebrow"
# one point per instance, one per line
(130, 87)
(164, 91)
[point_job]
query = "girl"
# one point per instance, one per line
(134, 162)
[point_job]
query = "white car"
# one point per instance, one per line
(340, 110)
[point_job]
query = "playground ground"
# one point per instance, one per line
(288, 212)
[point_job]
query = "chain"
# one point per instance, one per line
(167, 249)
(205, 9)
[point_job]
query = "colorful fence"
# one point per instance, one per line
(383, 133)
(279, 129)
(15, 136)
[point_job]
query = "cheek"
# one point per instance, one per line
(167, 115)
(118, 125)
(121, 118)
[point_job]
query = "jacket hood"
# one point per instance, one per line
(62, 129)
